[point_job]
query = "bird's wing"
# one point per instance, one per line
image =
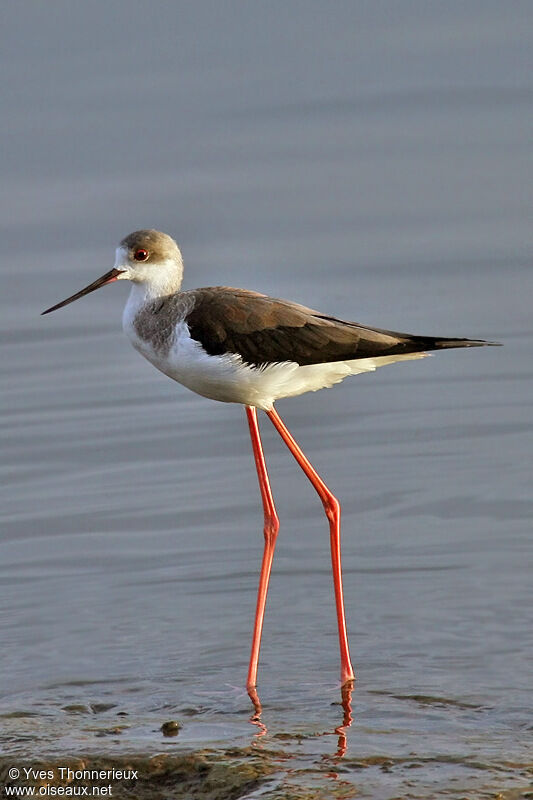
(264, 330)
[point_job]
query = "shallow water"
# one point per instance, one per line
(386, 181)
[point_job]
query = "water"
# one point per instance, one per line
(374, 162)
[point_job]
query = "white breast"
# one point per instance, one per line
(228, 379)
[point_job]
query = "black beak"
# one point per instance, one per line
(109, 277)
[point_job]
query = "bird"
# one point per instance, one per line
(241, 346)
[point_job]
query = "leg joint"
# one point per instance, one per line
(271, 528)
(332, 507)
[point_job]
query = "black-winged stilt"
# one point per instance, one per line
(239, 346)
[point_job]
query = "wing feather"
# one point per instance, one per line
(265, 330)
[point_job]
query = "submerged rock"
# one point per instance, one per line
(170, 728)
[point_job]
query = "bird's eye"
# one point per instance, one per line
(141, 254)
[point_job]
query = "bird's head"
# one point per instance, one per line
(146, 257)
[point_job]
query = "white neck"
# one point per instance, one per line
(161, 281)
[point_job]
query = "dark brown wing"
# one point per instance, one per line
(264, 330)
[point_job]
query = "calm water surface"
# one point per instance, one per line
(373, 164)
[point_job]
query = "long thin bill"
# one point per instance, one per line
(109, 277)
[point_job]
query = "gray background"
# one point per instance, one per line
(370, 159)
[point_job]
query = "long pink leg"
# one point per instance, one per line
(271, 528)
(333, 513)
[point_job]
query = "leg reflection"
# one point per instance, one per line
(340, 730)
(346, 703)
(255, 719)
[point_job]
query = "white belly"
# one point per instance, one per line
(227, 379)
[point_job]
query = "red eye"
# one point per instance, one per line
(140, 254)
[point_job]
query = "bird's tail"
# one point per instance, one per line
(431, 343)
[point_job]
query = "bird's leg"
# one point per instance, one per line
(271, 528)
(333, 513)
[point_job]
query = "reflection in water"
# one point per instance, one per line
(340, 730)
(346, 702)
(255, 719)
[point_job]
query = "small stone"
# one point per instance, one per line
(76, 708)
(170, 728)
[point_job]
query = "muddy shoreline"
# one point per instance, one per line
(249, 772)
